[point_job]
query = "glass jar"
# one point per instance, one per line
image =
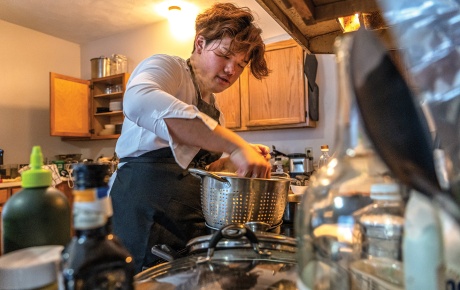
(324, 158)
(325, 221)
(379, 226)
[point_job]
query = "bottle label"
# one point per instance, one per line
(91, 208)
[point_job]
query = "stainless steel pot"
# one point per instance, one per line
(227, 198)
(232, 258)
(292, 207)
(100, 67)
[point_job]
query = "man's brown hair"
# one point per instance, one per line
(225, 19)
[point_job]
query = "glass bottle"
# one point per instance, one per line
(324, 223)
(95, 258)
(324, 158)
(378, 240)
(380, 225)
(278, 165)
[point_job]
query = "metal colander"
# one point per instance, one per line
(227, 198)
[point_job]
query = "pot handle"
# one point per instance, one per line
(234, 231)
(281, 174)
(200, 172)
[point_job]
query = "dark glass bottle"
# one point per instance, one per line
(95, 258)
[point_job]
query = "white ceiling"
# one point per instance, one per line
(82, 21)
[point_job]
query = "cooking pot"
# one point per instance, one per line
(232, 258)
(227, 198)
(100, 67)
(292, 207)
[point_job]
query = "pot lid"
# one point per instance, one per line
(236, 258)
(220, 274)
(266, 241)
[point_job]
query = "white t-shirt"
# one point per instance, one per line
(160, 87)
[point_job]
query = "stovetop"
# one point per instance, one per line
(285, 229)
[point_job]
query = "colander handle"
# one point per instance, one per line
(235, 231)
(200, 172)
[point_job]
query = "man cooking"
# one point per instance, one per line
(172, 122)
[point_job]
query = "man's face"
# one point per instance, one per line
(217, 68)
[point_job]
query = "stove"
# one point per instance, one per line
(285, 229)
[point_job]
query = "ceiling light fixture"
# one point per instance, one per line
(349, 23)
(174, 7)
(181, 17)
(368, 20)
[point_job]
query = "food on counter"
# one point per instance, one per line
(5, 180)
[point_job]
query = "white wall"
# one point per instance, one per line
(27, 57)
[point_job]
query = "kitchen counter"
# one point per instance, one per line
(10, 184)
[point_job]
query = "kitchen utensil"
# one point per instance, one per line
(100, 67)
(227, 198)
(119, 64)
(33, 268)
(299, 189)
(310, 69)
(292, 207)
(276, 152)
(233, 258)
(110, 128)
(115, 105)
(393, 121)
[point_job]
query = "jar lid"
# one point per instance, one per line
(324, 147)
(385, 191)
(30, 268)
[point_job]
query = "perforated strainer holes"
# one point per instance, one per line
(240, 202)
(266, 209)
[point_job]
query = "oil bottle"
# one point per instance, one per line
(38, 214)
(95, 258)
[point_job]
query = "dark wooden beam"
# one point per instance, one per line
(278, 15)
(305, 8)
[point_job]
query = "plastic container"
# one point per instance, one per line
(423, 249)
(38, 214)
(379, 230)
(34, 268)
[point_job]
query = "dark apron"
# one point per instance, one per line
(156, 202)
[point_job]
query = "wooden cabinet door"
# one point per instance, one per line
(69, 106)
(229, 102)
(4, 195)
(280, 98)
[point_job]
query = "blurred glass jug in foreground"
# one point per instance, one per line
(325, 224)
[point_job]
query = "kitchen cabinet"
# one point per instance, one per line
(80, 109)
(276, 102)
